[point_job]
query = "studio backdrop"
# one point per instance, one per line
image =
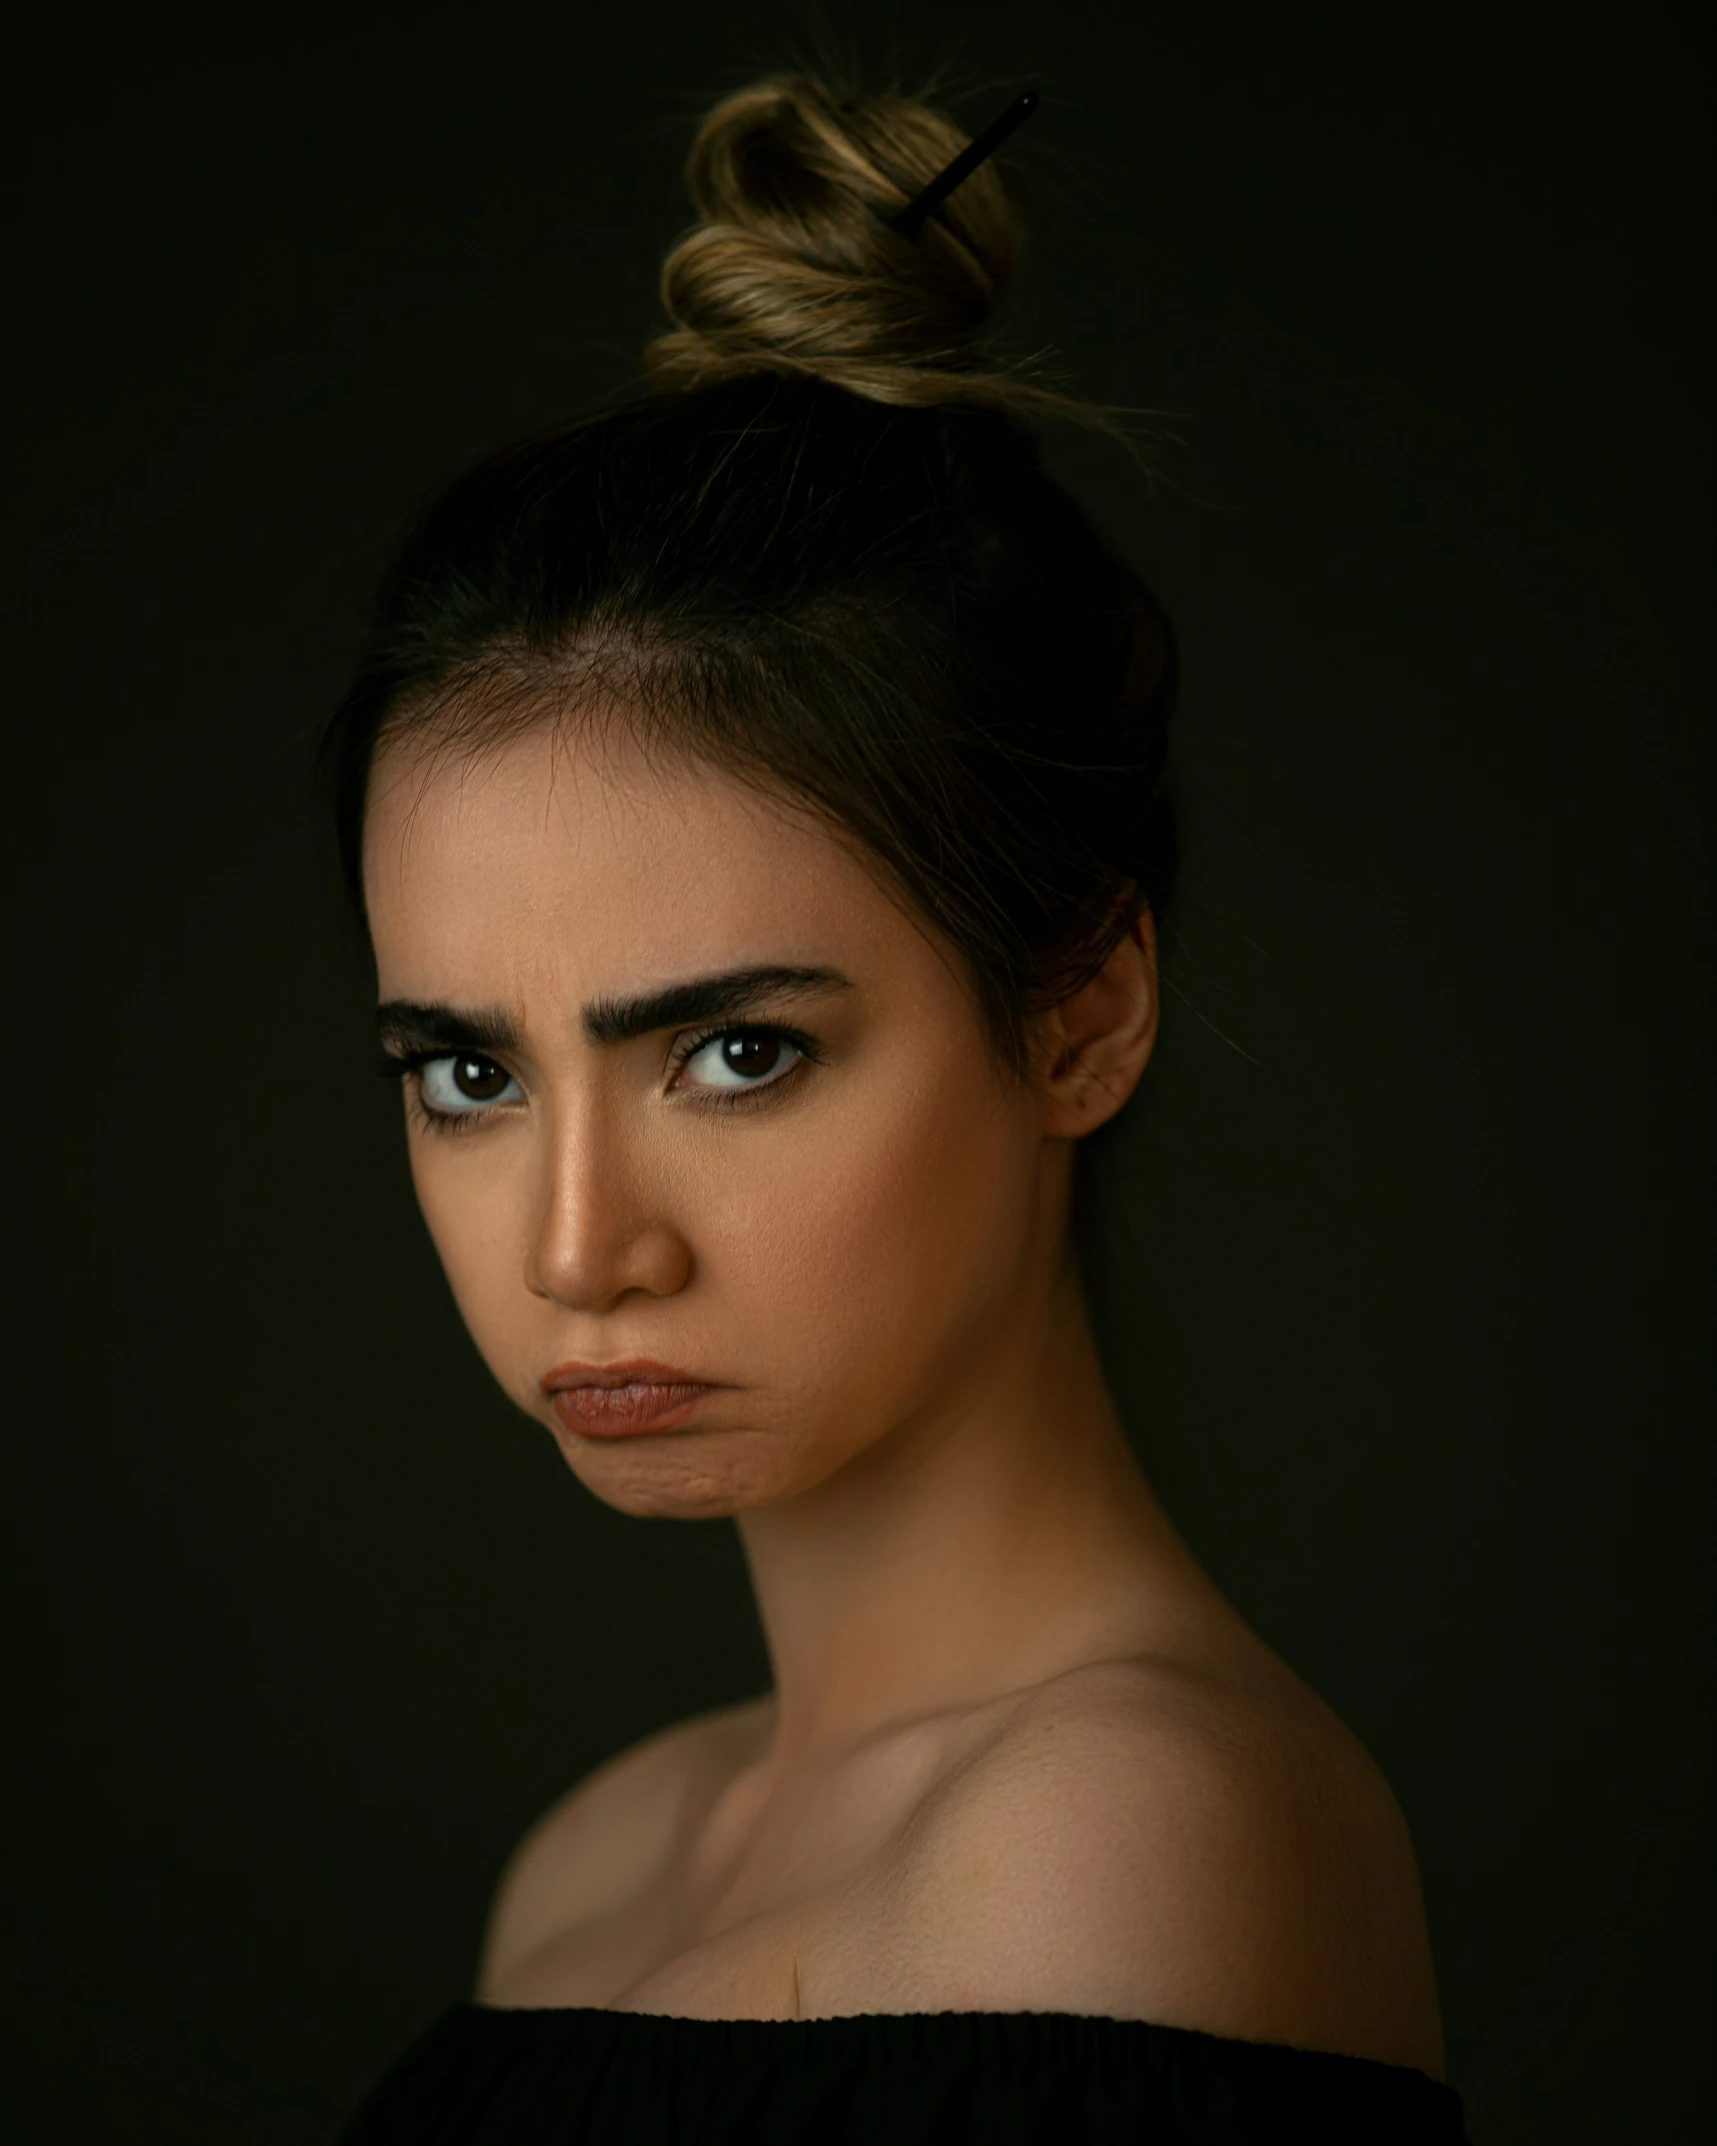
(1401, 1260)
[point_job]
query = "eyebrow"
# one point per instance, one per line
(403, 1025)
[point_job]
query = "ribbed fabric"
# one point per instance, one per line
(482, 2077)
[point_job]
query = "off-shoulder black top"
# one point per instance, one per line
(483, 2077)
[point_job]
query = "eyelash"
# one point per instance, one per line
(404, 1065)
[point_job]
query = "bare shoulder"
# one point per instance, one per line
(1144, 1841)
(595, 1847)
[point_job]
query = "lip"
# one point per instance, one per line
(618, 1400)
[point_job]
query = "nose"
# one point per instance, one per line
(602, 1228)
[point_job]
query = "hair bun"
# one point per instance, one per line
(793, 267)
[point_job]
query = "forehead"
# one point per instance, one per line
(568, 853)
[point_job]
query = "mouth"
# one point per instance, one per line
(621, 1399)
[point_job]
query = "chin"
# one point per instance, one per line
(680, 1475)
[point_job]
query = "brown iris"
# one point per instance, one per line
(479, 1080)
(750, 1054)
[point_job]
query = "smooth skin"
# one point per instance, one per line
(1019, 1754)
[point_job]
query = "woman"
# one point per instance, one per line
(755, 797)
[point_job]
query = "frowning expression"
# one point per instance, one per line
(684, 1083)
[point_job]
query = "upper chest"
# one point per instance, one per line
(770, 1896)
(887, 1881)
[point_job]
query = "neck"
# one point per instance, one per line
(1002, 1535)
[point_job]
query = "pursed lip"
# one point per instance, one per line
(637, 1393)
(626, 1371)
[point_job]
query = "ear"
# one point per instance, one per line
(1095, 1044)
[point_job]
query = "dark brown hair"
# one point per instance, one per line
(823, 554)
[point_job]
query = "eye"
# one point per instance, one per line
(455, 1086)
(740, 1058)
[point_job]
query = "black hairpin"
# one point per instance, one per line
(909, 221)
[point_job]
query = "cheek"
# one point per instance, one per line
(882, 1232)
(475, 1207)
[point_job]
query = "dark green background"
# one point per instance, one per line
(1404, 1247)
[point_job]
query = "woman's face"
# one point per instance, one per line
(797, 1179)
